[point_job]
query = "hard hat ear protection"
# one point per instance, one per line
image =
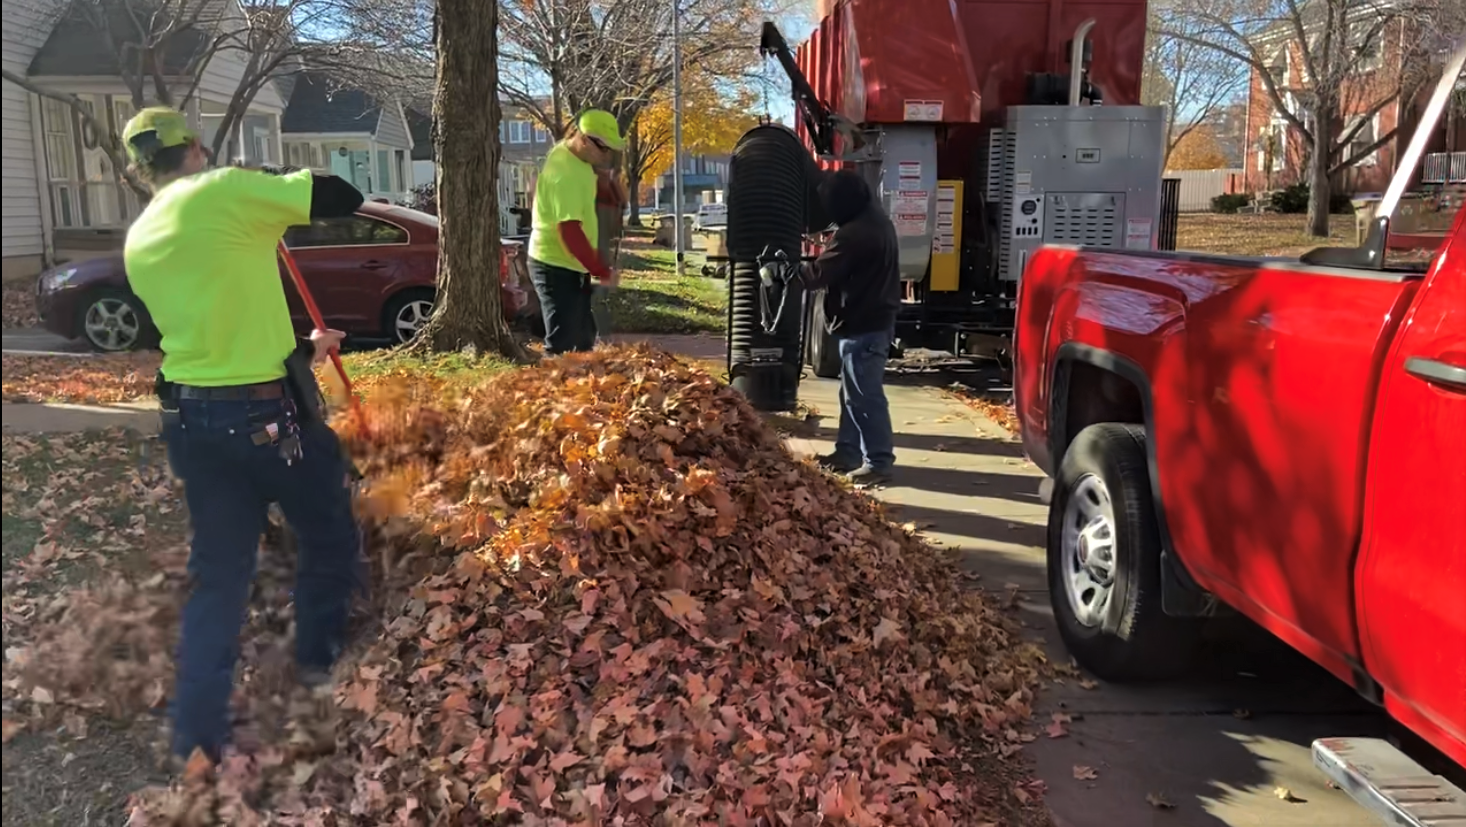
(144, 145)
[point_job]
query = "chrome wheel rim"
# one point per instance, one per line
(1088, 552)
(112, 324)
(411, 319)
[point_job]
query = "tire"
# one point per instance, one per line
(824, 353)
(1104, 475)
(115, 321)
(418, 303)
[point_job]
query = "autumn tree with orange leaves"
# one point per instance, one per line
(712, 122)
(1197, 149)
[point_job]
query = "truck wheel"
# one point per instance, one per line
(824, 353)
(1104, 561)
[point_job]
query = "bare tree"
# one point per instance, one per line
(1191, 81)
(162, 48)
(468, 312)
(1328, 67)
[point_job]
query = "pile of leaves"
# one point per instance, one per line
(85, 380)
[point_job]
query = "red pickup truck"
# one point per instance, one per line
(1285, 438)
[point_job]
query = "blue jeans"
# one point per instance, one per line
(565, 302)
(229, 483)
(865, 416)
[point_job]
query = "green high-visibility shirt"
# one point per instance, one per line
(565, 191)
(202, 259)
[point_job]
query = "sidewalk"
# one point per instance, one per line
(1217, 744)
(29, 417)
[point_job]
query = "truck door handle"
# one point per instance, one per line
(1437, 372)
(375, 265)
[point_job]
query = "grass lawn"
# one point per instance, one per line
(654, 299)
(1258, 235)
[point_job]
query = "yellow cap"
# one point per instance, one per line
(601, 125)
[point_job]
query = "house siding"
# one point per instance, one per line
(392, 129)
(25, 28)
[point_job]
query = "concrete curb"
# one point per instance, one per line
(38, 418)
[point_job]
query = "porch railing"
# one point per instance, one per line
(1444, 168)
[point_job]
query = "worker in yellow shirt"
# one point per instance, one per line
(241, 414)
(563, 261)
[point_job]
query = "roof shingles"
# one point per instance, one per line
(315, 107)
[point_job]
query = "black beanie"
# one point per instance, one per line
(845, 195)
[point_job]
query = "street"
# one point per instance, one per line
(1224, 746)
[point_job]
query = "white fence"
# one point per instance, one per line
(1200, 186)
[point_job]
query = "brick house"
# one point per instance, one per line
(1276, 152)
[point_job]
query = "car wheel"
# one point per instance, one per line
(407, 314)
(1104, 561)
(824, 353)
(115, 321)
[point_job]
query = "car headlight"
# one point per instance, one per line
(57, 279)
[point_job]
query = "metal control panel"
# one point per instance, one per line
(1085, 175)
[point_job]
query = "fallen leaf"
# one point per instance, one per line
(1158, 801)
(1056, 727)
(1084, 773)
(1287, 795)
(885, 630)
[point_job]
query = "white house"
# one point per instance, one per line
(61, 199)
(347, 132)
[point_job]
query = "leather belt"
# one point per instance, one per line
(234, 393)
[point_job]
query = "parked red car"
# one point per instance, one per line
(374, 275)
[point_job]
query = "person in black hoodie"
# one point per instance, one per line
(860, 274)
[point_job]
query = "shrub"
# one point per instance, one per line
(1294, 200)
(1291, 200)
(1230, 202)
(424, 197)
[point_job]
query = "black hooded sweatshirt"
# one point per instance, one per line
(860, 267)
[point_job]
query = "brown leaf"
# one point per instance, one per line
(1158, 801)
(1287, 795)
(1084, 773)
(887, 629)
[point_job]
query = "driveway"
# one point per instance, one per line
(1226, 745)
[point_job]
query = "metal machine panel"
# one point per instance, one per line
(946, 272)
(908, 187)
(1090, 219)
(1079, 175)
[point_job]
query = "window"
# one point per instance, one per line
(355, 231)
(401, 158)
(60, 153)
(384, 172)
(541, 135)
(1272, 148)
(1362, 141)
(520, 132)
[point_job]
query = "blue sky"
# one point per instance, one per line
(795, 27)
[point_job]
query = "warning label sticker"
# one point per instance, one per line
(1137, 234)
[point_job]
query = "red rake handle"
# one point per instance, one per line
(314, 311)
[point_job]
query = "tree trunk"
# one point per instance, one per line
(468, 312)
(1319, 190)
(633, 180)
